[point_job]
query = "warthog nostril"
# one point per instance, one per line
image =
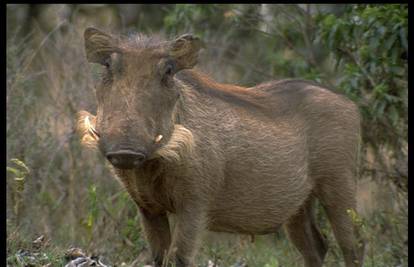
(125, 159)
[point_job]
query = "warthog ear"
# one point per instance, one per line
(184, 50)
(98, 45)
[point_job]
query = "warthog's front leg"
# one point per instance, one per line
(186, 237)
(157, 232)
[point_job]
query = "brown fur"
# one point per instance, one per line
(232, 159)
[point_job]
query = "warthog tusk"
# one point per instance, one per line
(158, 138)
(90, 128)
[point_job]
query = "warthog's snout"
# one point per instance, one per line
(126, 159)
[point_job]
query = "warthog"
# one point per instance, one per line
(221, 157)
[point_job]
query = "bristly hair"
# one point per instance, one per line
(238, 95)
(140, 41)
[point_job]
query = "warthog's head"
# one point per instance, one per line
(136, 96)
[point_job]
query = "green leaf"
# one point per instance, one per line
(403, 38)
(332, 36)
(382, 30)
(372, 67)
(364, 52)
(89, 222)
(16, 172)
(21, 164)
(393, 114)
(397, 70)
(329, 21)
(381, 108)
(395, 55)
(396, 26)
(354, 82)
(373, 43)
(390, 42)
(380, 89)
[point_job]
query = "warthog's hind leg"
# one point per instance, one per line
(338, 199)
(305, 235)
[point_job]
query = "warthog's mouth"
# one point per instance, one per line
(179, 145)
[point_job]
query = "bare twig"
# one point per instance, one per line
(25, 68)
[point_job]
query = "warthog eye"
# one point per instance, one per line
(107, 62)
(169, 68)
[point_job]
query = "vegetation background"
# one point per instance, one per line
(63, 192)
